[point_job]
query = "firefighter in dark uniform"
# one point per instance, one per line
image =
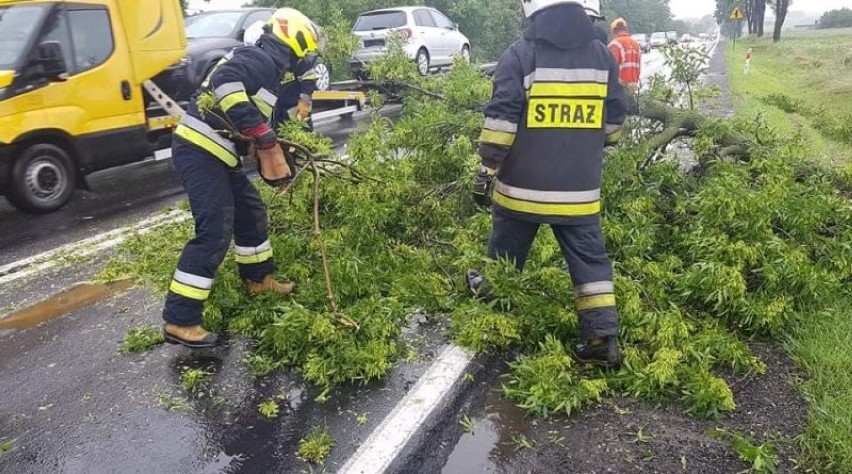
(224, 202)
(556, 103)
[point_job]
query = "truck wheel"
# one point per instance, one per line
(42, 179)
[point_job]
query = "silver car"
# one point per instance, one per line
(432, 39)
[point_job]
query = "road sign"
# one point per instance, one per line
(737, 14)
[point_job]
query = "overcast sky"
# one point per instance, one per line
(680, 8)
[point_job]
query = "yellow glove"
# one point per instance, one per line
(304, 107)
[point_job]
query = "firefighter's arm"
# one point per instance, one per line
(616, 105)
(307, 78)
(504, 112)
(615, 50)
(233, 83)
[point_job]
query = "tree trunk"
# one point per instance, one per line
(759, 17)
(781, 7)
(749, 13)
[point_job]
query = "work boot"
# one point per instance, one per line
(603, 352)
(194, 337)
(478, 286)
(270, 285)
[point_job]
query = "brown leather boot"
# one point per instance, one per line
(194, 337)
(269, 284)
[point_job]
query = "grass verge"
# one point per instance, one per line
(801, 87)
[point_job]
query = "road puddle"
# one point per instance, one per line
(497, 438)
(77, 297)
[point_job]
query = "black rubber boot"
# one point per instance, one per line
(606, 354)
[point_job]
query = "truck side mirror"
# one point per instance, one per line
(51, 60)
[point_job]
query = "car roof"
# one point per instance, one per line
(398, 9)
(235, 10)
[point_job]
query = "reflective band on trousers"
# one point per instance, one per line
(203, 136)
(250, 255)
(545, 74)
(594, 288)
(595, 302)
(191, 286)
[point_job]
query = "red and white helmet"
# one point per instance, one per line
(592, 7)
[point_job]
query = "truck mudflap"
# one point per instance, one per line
(5, 166)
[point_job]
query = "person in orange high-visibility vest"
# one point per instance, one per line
(628, 55)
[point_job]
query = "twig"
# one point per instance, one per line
(338, 317)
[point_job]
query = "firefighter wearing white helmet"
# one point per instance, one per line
(556, 103)
(224, 202)
(592, 7)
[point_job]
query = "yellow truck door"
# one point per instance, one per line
(97, 103)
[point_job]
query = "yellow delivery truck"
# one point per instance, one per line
(72, 76)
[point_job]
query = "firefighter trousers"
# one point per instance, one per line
(224, 204)
(585, 253)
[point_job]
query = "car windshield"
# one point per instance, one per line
(380, 21)
(17, 27)
(658, 36)
(212, 24)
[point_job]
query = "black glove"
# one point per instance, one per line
(482, 185)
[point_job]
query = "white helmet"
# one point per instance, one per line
(592, 7)
(253, 33)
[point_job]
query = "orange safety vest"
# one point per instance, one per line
(628, 55)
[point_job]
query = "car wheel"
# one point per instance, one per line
(422, 60)
(42, 179)
(324, 80)
(465, 52)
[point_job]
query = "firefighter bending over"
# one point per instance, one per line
(224, 202)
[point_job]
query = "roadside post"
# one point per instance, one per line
(736, 16)
(747, 65)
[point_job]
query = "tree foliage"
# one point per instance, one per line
(643, 16)
(841, 18)
(704, 259)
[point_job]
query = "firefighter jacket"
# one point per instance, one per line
(628, 55)
(556, 102)
(242, 93)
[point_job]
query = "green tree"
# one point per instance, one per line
(643, 16)
(836, 19)
(491, 25)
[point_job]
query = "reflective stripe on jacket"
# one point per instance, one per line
(628, 55)
(545, 129)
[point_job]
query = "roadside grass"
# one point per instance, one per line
(801, 86)
(810, 69)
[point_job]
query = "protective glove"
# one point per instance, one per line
(482, 186)
(273, 167)
(304, 107)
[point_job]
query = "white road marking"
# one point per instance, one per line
(389, 439)
(86, 247)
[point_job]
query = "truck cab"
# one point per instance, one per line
(71, 95)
